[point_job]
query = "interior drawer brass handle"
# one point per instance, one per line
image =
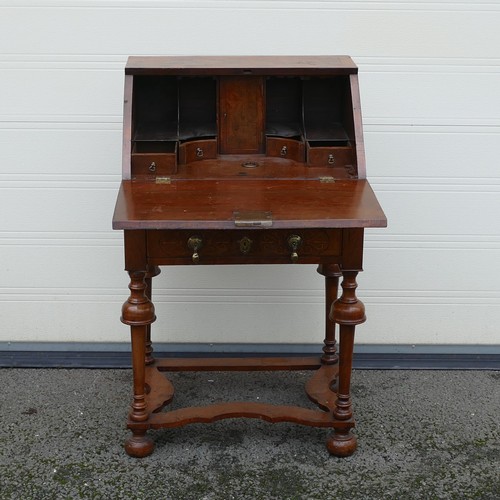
(199, 152)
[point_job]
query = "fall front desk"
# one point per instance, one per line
(244, 160)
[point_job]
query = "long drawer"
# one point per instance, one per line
(241, 246)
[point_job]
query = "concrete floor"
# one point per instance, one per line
(421, 435)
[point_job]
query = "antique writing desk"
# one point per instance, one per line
(244, 160)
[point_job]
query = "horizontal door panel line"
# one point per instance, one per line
(433, 237)
(315, 6)
(58, 185)
(442, 182)
(59, 178)
(482, 247)
(377, 187)
(88, 245)
(242, 295)
(28, 237)
(439, 189)
(429, 303)
(76, 118)
(437, 132)
(50, 237)
(421, 242)
(58, 188)
(120, 60)
(379, 125)
(387, 245)
(389, 302)
(416, 122)
(367, 65)
(97, 244)
(36, 237)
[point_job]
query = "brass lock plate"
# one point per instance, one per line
(253, 218)
(163, 180)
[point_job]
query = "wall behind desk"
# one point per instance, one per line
(429, 76)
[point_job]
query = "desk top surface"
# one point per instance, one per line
(213, 203)
(137, 65)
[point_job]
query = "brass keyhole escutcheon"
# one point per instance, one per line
(194, 244)
(245, 245)
(294, 242)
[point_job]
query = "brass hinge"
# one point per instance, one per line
(163, 180)
(326, 180)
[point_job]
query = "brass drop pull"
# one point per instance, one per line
(152, 167)
(294, 242)
(199, 152)
(331, 159)
(194, 244)
(284, 151)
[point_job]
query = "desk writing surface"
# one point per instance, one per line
(212, 203)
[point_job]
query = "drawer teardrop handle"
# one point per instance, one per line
(194, 244)
(331, 159)
(199, 152)
(294, 242)
(284, 151)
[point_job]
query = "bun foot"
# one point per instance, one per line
(139, 445)
(342, 443)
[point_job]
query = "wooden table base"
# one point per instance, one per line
(321, 389)
(329, 387)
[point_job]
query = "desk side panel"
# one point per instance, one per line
(127, 127)
(135, 250)
(352, 249)
(358, 127)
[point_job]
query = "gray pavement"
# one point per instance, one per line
(421, 435)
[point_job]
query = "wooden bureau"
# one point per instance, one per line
(244, 160)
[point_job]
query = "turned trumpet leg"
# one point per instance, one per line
(138, 313)
(348, 311)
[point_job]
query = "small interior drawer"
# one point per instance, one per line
(202, 149)
(329, 154)
(280, 147)
(154, 157)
